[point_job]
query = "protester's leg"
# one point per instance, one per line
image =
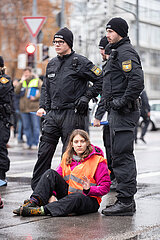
(73, 203)
(51, 183)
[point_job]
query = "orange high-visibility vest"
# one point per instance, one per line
(86, 168)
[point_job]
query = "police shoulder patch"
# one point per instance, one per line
(96, 70)
(4, 80)
(127, 66)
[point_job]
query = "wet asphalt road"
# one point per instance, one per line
(145, 224)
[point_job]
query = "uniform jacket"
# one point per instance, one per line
(67, 79)
(26, 105)
(6, 89)
(123, 75)
(94, 167)
(6, 96)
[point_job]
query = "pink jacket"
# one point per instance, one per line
(101, 177)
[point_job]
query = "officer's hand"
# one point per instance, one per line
(118, 103)
(82, 105)
(41, 112)
(96, 123)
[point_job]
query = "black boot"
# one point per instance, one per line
(120, 209)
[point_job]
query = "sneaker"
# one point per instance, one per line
(26, 147)
(120, 209)
(32, 211)
(27, 203)
(34, 147)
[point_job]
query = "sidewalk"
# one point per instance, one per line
(145, 224)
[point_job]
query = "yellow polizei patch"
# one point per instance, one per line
(96, 70)
(4, 80)
(127, 66)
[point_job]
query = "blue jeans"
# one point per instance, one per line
(31, 128)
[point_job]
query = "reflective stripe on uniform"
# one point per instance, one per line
(78, 180)
(73, 190)
(66, 178)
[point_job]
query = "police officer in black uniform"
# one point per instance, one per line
(6, 108)
(123, 82)
(67, 94)
(101, 111)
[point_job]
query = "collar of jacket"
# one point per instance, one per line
(65, 56)
(122, 41)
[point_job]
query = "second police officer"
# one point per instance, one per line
(6, 109)
(66, 98)
(122, 84)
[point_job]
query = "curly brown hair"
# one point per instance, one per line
(70, 151)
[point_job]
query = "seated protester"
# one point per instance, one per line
(78, 183)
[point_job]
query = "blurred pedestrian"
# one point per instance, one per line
(101, 112)
(67, 94)
(78, 183)
(29, 87)
(145, 114)
(6, 109)
(122, 84)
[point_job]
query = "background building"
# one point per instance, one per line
(88, 21)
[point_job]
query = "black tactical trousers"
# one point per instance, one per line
(66, 204)
(107, 145)
(4, 138)
(57, 123)
(122, 127)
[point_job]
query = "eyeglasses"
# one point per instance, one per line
(58, 42)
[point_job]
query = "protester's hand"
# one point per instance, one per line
(85, 183)
(41, 112)
(96, 123)
(52, 199)
(82, 105)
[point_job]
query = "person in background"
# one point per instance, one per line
(67, 94)
(145, 114)
(100, 112)
(123, 82)
(78, 183)
(6, 110)
(18, 126)
(29, 87)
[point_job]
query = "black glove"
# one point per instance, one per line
(118, 103)
(82, 105)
